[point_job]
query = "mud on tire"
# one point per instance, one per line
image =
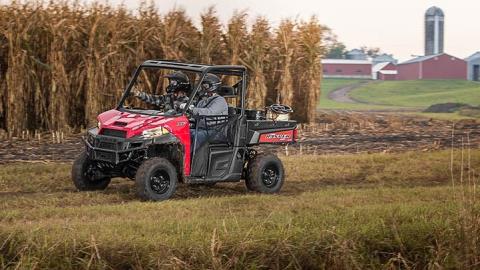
(265, 174)
(156, 179)
(83, 175)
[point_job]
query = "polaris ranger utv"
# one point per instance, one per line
(152, 145)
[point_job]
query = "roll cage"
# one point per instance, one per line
(231, 70)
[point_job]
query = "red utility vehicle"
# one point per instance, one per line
(152, 146)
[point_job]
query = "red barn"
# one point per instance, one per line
(347, 68)
(431, 67)
(385, 71)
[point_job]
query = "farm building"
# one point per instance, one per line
(385, 71)
(384, 58)
(346, 68)
(473, 63)
(431, 67)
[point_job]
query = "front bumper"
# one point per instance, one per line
(113, 150)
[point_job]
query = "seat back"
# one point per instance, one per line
(224, 131)
(226, 91)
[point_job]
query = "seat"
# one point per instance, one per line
(226, 91)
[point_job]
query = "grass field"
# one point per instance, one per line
(329, 85)
(419, 94)
(403, 95)
(336, 212)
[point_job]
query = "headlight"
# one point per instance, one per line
(99, 125)
(154, 132)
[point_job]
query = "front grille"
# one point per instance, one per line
(105, 156)
(107, 145)
(114, 133)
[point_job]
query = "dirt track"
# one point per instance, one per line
(335, 133)
(342, 94)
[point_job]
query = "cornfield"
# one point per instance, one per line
(63, 63)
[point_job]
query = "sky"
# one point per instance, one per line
(394, 26)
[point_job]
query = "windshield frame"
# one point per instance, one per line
(239, 71)
(128, 89)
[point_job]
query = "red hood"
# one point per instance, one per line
(134, 124)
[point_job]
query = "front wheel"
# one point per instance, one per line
(156, 179)
(265, 174)
(85, 175)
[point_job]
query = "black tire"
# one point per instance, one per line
(156, 179)
(83, 175)
(265, 174)
(248, 183)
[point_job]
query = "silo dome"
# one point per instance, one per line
(434, 11)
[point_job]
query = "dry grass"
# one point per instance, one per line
(61, 63)
(342, 212)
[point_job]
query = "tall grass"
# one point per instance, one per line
(61, 63)
(368, 211)
(465, 179)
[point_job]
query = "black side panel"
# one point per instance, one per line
(200, 164)
(226, 163)
(242, 132)
(268, 124)
(219, 161)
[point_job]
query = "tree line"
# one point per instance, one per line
(63, 63)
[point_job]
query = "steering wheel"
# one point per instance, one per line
(280, 109)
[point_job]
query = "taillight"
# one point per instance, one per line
(295, 135)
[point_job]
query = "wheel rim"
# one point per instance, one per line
(270, 176)
(160, 182)
(89, 172)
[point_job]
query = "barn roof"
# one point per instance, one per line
(420, 59)
(380, 66)
(427, 57)
(346, 61)
(474, 56)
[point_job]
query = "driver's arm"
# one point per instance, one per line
(150, 99)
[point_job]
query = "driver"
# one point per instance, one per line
(211, 103)
(177, 91)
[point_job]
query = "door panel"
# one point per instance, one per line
(225, 163)
(219, 161)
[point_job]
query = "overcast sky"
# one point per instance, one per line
(396, 26)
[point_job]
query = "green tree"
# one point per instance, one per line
(337, 51)
(333, 49)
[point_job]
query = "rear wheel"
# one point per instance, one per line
(85, 176)
(156, 179)
(265, 174)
